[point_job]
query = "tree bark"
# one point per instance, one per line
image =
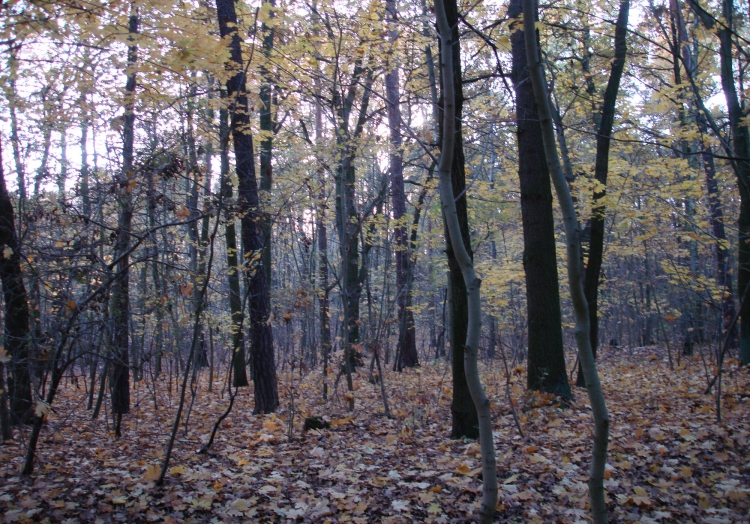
(121, 289)
(322, 231)
(601, 169)
(546, 359)
(450, 134)
(575, 269)
(239, 369)
(465, 421)
(264, 365)
(407, 343)
(266, 139)
(739, 151)
(741, 142)
(16, 311)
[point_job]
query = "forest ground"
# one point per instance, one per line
(669, 460)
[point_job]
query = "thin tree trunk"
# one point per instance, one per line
(575, 269)
(322, 232)
(463, 408)
(239, 375)
(740, 153)
(407, 343)
(266, 140)
(601, 169)
(121, 288)
(464, 260)
(264, 365)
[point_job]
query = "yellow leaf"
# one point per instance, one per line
(463, 469)
(7, 252)
(269, 425)
(340, 421)
(152, 473)
(686, 472)
(640, 498)
(177, 470)
(4, 357)
(70, 306)
(182, 212)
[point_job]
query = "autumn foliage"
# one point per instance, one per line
(670, 461)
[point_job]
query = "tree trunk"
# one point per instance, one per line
(16, 311)
(546, 361)
(575, 269)
(266, 139)
(14, 139)
(407, 343)
(601, 169)
(239, 370)
(463, 256)
(264, 365)
(741, 142)
(739, 151)
(121, 289)
(463, 409)
(322, 231)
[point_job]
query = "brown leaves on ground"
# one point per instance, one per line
(669, 460)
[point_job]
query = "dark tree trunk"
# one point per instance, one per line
(546, 360)
(464, 413)
(16, 311)
(121, 289)
(264, 365)
(239, 370)
(347, 220)
(741, 142)
(601, 169)
(740, 153)
(266, 141)
(322, 231)
(723, 274)
(259, 308)
(407, 343)
(15, 143)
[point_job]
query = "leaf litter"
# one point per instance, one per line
(669, 460)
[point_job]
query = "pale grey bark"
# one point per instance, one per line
(575, 270)
(481, 402)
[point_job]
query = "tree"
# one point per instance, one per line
(407, 344)
(546, 358)
(16, 314)
(575, 269)
(121, 289)
(738, 151)
(262, 354)
(603, 138)
(450, 133)
(463, 410)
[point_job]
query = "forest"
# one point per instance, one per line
(376, 261)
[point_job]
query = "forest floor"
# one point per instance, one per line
(669, 459)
